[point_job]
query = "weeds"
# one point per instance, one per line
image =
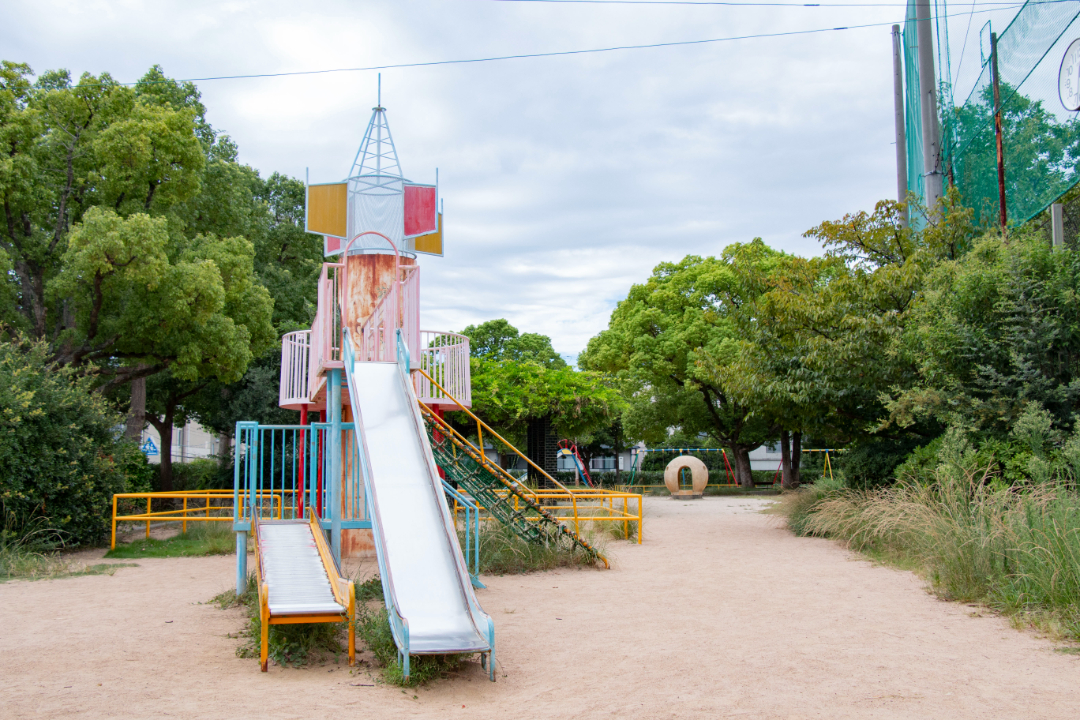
(293, 645)
(373, 629)
(502, 552)
(33, 554)
(205, 538)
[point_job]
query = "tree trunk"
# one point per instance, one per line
(165, 478)
(165, 432)
(741, 468)
(224, 445)
(618, 454)
(786, 480)
(796, 458)
(747, 477)
(136, 419)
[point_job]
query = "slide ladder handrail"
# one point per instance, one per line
(484, 480)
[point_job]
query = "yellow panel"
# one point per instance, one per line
(431, 243)
(326, 209)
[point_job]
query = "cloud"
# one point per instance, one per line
(565, 179)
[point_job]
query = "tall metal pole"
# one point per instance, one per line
(901, 135)
(1003, 214)
(928, 90)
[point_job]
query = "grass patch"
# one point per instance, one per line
(289, 645)
(1013, 549)
(373, 630)
(504, 553)
(202, 538)
(308, 643)
(23, 564)
(34, 555)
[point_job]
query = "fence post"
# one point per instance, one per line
(901, 139)
(1057, 225)
(1002, 212)
(928, 89)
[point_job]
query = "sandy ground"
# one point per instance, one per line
(720, 613)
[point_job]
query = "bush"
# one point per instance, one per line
(871, 463)
(199, 474)
(60, 457)
(139, 474)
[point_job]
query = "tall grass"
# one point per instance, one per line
(30, 551)
(502, 552)
(1016, 549)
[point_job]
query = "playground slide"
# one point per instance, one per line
(424, 574)
(298, 580)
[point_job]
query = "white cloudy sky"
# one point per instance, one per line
(565, 179)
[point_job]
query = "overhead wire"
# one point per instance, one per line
(525, 56)
(754, 3)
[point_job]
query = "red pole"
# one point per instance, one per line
(318, 479)
(300, 483)
(730, 474)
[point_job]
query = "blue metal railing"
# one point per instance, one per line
(281, 468)
(472, 532)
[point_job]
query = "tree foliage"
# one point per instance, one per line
(519, 377)
(60, 458)
(666, 343)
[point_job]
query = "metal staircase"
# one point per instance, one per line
(498, 492)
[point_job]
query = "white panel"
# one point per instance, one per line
(379, 213)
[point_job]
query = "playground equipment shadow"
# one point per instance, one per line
(721, 612)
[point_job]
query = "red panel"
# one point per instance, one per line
(331, 245)
(421, 213)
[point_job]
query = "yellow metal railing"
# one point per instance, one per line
(186, 512)
(585, 504)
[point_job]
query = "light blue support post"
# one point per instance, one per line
(333, 482)
(241, 563)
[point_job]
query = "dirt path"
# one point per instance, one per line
(720, 613)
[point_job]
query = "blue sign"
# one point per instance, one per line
(149, 447)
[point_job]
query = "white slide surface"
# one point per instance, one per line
(293, 570)
(415, 532)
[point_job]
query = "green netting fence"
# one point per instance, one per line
(1041, 138)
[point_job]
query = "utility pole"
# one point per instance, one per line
(1003, 214)
(901, 135)
(928, 91)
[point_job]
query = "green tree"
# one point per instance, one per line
(665, 343)
(519, 379)
(129, 233)
(995, 332)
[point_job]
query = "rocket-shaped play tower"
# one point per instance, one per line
(367, 468)
(364, 474)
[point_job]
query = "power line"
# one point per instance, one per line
(999, 5)
(526, 56)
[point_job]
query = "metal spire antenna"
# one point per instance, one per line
(376, 182)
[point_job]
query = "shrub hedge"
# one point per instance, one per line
(61, 456)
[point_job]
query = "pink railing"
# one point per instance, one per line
(445, 357)
(295, 373)
(306, 354)
(377, 339)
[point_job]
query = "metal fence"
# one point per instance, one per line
(1040, 136)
